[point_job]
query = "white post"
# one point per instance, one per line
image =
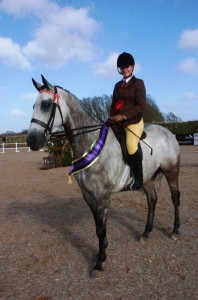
(16, 148)
(3, 148)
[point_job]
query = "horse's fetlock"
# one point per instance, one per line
(100, 262)
(101, 233)
(102, 257)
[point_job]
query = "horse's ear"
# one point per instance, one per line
(36, 84)
(48, 85)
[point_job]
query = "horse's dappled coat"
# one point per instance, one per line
(109, 172)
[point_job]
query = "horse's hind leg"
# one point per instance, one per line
(172, 178)
(176, 203)
(149, 189)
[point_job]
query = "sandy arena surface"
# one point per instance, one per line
(48, 243)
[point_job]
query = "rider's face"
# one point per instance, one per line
(127, 71)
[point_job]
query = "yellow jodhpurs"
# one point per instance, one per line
(131, 139)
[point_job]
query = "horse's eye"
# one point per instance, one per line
(46, 104)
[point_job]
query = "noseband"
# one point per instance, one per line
(48, 126)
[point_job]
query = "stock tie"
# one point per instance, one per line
(122, 85)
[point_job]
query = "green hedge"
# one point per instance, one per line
(189, 127)
(60, 147)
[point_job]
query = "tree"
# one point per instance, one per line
(10, 132)
(171, 118)
(98, 106)
(152, 113)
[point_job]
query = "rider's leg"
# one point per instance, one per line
(135, 153)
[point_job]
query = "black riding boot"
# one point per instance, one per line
(136, 166)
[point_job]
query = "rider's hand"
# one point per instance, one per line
(119, 118)
(110, 120)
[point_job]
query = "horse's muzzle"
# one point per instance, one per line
(35, 140)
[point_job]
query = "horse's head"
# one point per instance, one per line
(48, 114)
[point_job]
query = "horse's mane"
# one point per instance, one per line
(81, 103)
(60, 87)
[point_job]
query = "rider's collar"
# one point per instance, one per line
(127, 79)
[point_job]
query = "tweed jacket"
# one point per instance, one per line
(132, 98)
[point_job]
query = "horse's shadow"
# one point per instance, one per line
(127, 219)
(60, 213)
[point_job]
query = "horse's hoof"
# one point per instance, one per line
(174, 236)
(96, 274)
(143, 239)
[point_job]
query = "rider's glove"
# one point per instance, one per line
(119, 118)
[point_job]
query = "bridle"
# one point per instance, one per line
(48, 126)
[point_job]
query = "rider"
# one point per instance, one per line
(128, 102)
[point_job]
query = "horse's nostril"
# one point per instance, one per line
(35, 140)
(31, 142)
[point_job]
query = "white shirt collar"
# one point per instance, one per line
(127, 79)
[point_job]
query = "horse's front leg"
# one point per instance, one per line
(99, 204)
(100, 218)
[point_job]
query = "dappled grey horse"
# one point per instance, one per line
(98, 166)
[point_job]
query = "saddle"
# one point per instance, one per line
(120, 135)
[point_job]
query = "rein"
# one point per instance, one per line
(87, 129)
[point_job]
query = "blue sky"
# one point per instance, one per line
(75, 44)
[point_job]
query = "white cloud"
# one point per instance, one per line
(29, 96)
(190, 96)
(22, 7)
(63, 33)
(17, 112)
(189, 39)
(137, 68)
(189, 65)
(108, 68)
(11, 54)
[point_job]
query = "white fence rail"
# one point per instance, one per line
(13, 146)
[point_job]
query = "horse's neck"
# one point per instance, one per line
(80, 117)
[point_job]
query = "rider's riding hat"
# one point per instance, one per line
(124, 60)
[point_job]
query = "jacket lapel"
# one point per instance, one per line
(131, 81)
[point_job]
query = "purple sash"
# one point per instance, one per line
(89, 157)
